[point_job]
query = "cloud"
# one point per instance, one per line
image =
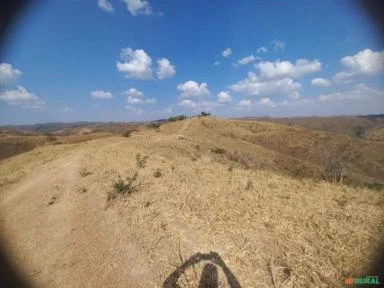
(254, 86)
(136, 7)
(134, 100)
(187, 103)
(167, 110)
(137, 97)
(165, 69)
(192, 89)
(360, 92)
(343, 77)
(193, 96)
(246, 60)
(217, 63)
(227, 52)
(133, 92)
(99, 94)
(366, 62)
(279, 69)
(135, 110)
(67, 109)
(262, 50)
(224, 97)
(197, 106)
(136, 64)
(21, 97)
(266, 102)
(105, 5)
(278, 46)
(8, 74)
(360, 100)
(320, 82)
(245, 103)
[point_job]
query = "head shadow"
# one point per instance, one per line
(209, 275)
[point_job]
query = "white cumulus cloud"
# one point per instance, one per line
(366, 62)
(192, 89)
(133, 92)
(287, 69)
(266, 102)
(135, 96)
(8, 74)
(224, 97)
(136, 64)
(245, 103)
(136, 7)
(227, 52)
(133, 100)
(165, 69)
(320, 82)
(262, 50)
(105, 5)
(100, 94)
(359, 92)
(21, 97)
(246, 60)
(254, 86)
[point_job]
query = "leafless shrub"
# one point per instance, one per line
(335, 164)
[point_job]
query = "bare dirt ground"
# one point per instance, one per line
(267, 230)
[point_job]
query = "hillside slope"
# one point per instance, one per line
(269, 229)
(368, 127)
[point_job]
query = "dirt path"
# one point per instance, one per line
(58, 233)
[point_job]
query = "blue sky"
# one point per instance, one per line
(134, 60)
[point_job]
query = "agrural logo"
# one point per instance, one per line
(367, 280)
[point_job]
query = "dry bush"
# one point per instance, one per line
(335, 166)
(218, 150)
(84, 172)
(157, 173)
(127, 133)
(141, 160)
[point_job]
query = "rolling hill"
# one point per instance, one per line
(247, 199)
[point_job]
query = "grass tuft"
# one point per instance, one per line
(249, 185)
(218, 150)
(84, 172)
(126, 186)
(141, 160)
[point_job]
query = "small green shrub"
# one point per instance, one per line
(204, 114)
(177, 118)
(374, 186)
(218, 150)
(230, 168)
(154, 125)
(126, 186)
(141, 160)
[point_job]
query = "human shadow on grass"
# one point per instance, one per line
(209, 276)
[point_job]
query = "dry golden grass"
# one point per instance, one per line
(354, 126)
(281, 232)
